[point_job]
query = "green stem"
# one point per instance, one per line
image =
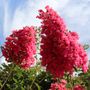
(33, 79)
(32, 83)
(42, 79)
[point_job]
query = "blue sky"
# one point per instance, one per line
(15, 14)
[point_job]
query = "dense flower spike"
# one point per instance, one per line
(60, 49)
(20, 47)
(58, 86)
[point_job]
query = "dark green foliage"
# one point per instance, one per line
(18, 79)
(85, 77)
(13, 77)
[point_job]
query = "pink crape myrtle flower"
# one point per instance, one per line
(60, 49)
(20, 47)
(78, 87)
(64, 82)
(58, 86)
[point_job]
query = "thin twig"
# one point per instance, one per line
(32, 82)
(42, 79)
(33, 79)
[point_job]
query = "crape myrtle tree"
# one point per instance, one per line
(45, 57)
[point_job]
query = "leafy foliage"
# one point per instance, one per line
(13, 77)
(19, 79)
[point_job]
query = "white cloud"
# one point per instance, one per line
(78, 13)
(77, 17)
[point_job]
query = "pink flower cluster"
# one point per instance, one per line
(60, 49)
(58, 86)
(78, 87)
(20, 47)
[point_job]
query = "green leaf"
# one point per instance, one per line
(38, 87)
(8, 85)
(22, 88)
(14, 80)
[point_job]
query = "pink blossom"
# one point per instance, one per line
(78, 87)
(20, 47)
(60, 49)
(64, 82)
(84, 68)
(57, 86)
